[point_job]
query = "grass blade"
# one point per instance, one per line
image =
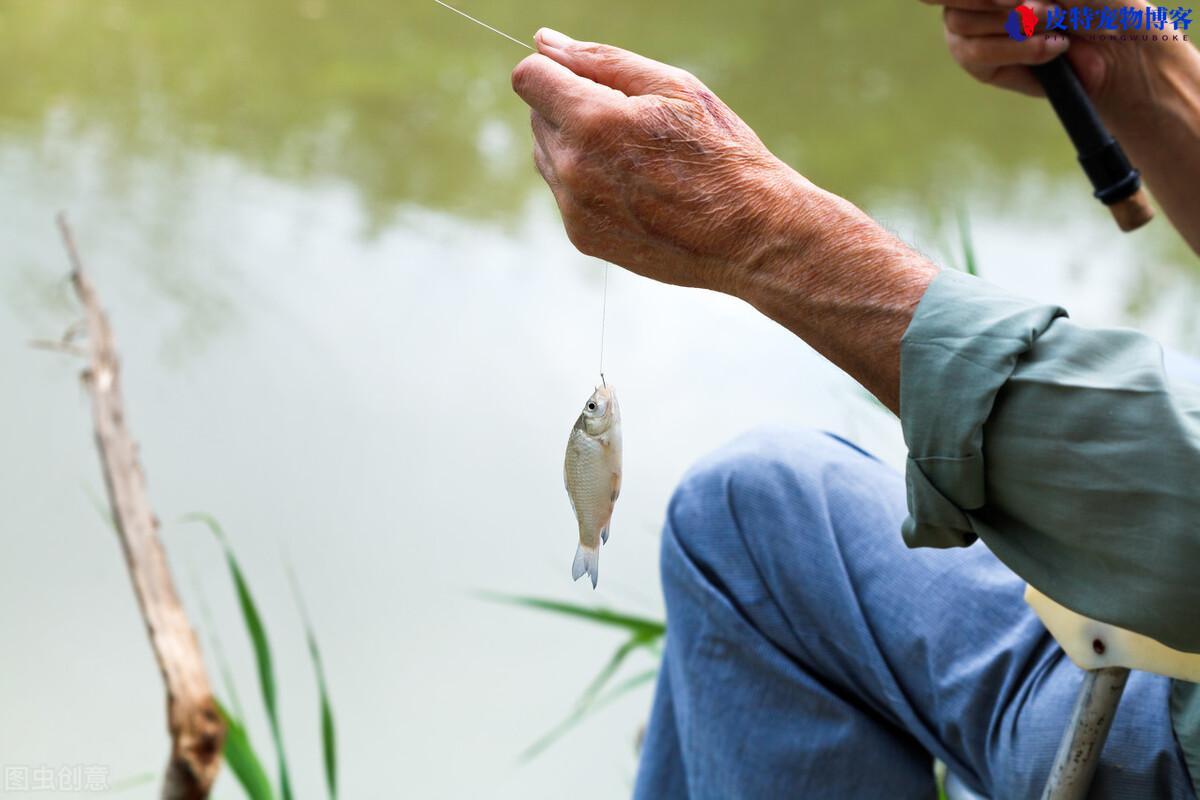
(258, 638)
(328, 734)
(644, 633)
(606, 673)
(641, 627)
(970, 265)
(625, 687)
(588, 703)
(242, 760)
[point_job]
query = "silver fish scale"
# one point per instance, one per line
(589, 485)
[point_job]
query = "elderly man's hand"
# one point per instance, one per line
(652, 171)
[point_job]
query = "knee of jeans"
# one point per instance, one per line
(748, 506)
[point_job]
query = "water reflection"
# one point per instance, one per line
(411, 104)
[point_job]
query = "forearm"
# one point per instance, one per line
(836, 279)
(1157, 122)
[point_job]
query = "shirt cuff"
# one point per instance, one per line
(962, 345)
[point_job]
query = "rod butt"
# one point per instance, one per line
(1133, 212)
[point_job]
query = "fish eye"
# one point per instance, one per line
(591, 406)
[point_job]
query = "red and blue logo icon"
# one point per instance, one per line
(1021, 23)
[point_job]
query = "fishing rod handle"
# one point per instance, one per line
(1115, 181)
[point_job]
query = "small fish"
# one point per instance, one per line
(592, 473)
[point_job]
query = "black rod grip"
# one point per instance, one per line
(1100, 155)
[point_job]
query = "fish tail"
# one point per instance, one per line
(587, 559)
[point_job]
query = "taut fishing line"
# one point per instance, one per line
(512, 39)
(603, 319)
(604, 302)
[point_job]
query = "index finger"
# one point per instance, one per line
(555, 92)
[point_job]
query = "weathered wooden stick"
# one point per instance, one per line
(196, 729)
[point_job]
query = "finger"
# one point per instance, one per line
(624, 71)
(975, 52)
(987, 23)
(975, 5)
(1091, 67)
(974, 23)
(1015, 77)
(555, 92)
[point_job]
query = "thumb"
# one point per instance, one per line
(1090, 66)
(624, 71)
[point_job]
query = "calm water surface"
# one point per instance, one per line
(354, 331)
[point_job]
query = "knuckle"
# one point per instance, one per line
(569, 169)
(688, 80)
(954, 21)
(595, 50)
(1041, 49)
(967, 50)
(578, 232)
(595, 119)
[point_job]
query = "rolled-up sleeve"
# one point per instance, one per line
(1064, 448)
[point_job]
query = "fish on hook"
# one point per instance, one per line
(592, 473)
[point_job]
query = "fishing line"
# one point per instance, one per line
(484, 24)
(604, 302)
(603, 320)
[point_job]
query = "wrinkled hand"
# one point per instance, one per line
(651, 170)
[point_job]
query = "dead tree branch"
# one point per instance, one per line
(196, 729)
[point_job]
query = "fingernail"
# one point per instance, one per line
(552, 38)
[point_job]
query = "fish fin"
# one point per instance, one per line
(604, 535)
(587, 559)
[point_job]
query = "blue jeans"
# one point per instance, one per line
(810, 654)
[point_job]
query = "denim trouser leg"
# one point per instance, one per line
(811, 654)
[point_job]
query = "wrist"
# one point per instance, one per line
(1154, 83)
(849, 288)
(815, 239)
(793, 220)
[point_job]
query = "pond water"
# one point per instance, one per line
(353, 330)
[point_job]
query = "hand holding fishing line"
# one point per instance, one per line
(649, 168)
(653, 172)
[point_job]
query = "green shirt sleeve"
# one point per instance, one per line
(1064, 448)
